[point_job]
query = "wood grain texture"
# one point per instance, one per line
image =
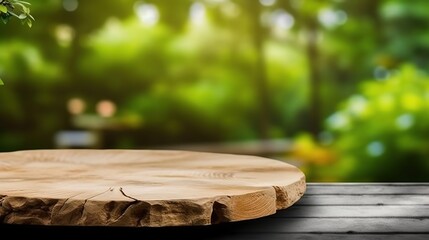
(319, 236)
(372, 189)
(344, 225)
(363, 200)
(142, 188)
(356, 212)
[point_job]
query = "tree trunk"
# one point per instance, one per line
(261, 86)
(313, 62)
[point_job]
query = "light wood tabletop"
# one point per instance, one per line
(142, 188)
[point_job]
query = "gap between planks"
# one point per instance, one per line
(355, 211)
(341, 189)
(364, 200)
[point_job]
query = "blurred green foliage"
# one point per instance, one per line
(382, 133)
(225, 70)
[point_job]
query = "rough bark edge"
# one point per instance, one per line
(286, 196)
(136, 213)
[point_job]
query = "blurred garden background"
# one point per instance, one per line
(339, 88)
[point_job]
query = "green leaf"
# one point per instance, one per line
(29, 23)
(1, 82)
(3, 9)
(22, 2)
(22, 16)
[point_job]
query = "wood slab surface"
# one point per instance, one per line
(136, 188)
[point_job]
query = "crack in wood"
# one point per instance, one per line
(66, 200)
(96, 195)
(125, 195)
(82, 211)
(282, 198)
(219, 213)
(127, 212)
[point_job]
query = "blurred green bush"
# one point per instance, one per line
(381, 133)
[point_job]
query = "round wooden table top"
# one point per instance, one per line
(142, 188)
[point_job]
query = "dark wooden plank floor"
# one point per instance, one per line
(327, 211)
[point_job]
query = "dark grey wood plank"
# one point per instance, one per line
(280, 236)
(356, 189)
(408, 211)
(336, 225)
(348, 200)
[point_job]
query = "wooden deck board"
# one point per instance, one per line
(327, 211)
(327, 237)
(373, 189)
(320, 211)
(363, 200)
(344, 225)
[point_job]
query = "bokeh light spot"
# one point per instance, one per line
(405, 121)
(76, 106)
(106, 108)
(147, 13)
(375, 149)
(332, 18)
(197, 13)
(338, 121)
(268, 3)
(70, 5)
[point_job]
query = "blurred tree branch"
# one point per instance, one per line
(16, 8)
